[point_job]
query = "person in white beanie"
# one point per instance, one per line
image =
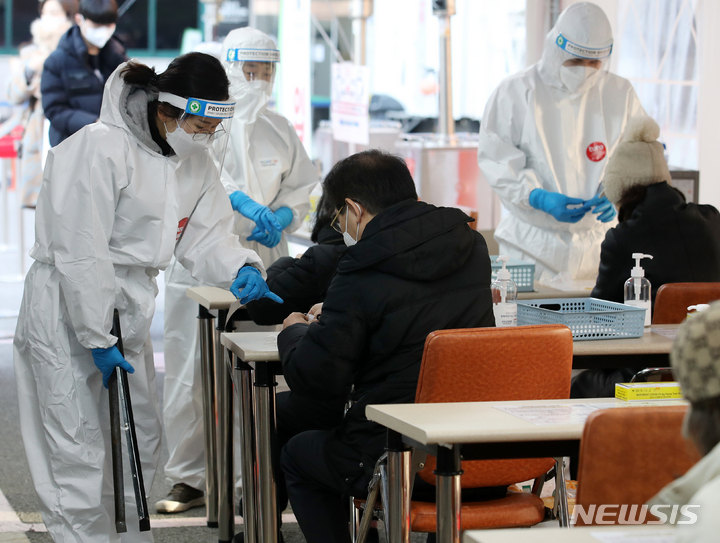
(544, 141)
(696, 363)
(268, 177)
(655, 219)
(684, 239)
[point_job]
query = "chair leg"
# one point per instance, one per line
(561, 504)
(538, 485)
(373, 491)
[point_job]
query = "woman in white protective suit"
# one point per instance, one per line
(544, 141)
(268, 178)
(119, 198)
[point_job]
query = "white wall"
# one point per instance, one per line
(708, 106)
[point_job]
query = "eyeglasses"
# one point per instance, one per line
(334, 224)
(200, 136)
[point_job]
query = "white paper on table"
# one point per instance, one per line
(541, 415)
(669, 333)
(639, 403)
(650, 536)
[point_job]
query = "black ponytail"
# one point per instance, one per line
(194, 75)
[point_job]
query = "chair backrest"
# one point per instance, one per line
(627, 455)
(673, 299)
(496, 364)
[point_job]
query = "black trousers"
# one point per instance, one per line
(297, 414)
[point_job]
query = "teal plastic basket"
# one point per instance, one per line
(587, 318)
(521, 272)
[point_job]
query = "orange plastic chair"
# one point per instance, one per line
(673, 299)
(627, 456)
(494, 364)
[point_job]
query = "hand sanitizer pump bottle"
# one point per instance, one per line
(504, 295)
(637, 288)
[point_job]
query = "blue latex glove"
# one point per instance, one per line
(602, 207)
(262, 215)
(252, 285)
(284, 215)
(107, 360)
(556, 204)
(267, 238)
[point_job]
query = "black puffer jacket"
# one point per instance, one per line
(417, 268)
(300, 282)
(71, 90)
(684, 240)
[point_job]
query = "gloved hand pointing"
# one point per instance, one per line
(602, 207)
(556, 204)
(253, 287)
(107, 360)
(271, 238)
(262, 215)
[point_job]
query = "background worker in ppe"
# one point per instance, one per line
(544, 141)
(268, 177)
(119, 198)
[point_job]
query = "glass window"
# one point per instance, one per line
(3, 9)
(132, 27)
(173, 17)
(24, 13)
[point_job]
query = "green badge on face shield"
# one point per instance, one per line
(560, 41)
(194, 107)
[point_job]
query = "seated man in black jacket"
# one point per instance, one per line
(410, 268)
(302, 282)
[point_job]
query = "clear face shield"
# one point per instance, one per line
(203, 125)
(583, 65)
(255, 66)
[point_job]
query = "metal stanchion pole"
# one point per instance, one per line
(207, 368)
(225, 417)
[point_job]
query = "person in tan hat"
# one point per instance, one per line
(696, 363)
(655, 219)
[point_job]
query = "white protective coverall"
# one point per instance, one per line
(111, 213)
(536, 134)
(267, 161)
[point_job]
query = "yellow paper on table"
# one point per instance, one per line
(668, 390)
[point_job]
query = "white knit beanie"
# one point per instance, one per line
(637, 160)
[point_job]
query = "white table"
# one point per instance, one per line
(217, 409)
(256, 354)
(650, 350)
(584, 534)
(482, 432)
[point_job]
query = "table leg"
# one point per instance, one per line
(266, 440)
(447, 492)
(226, 468)
(243, 384)
(207, 357)
(398, 473)
(561, 504)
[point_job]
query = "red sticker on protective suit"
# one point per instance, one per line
(596, 151)
(181, 227)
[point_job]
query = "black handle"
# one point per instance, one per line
(123, 389)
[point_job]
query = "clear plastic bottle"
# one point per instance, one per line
(504, 295)
(637, 288)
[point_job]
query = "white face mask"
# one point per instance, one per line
(53, 20)
(184, 144)
(347, 238)
(96, 35)
(578, 78)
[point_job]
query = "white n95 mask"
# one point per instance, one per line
(96, 35)
(578, 78)
(347, 238)
(185, 144)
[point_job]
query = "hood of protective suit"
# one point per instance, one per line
(126, 106)
(583, 24)
(252, 97)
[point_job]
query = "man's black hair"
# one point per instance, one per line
(101, 12)
(374, 179)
